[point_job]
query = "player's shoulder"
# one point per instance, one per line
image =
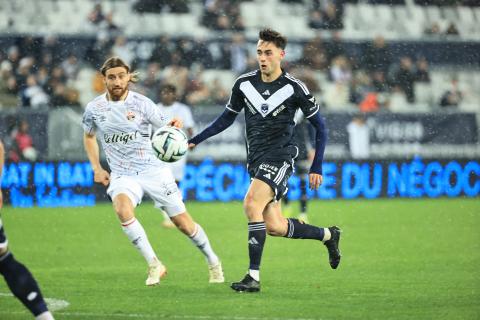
(247, 76)
(98, 102)
(139, 99)
(297, 84)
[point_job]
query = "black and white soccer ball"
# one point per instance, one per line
(169, 144)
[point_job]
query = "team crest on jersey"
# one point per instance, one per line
(264, 107)
(130, 116)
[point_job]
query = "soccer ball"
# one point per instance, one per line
(169, 144)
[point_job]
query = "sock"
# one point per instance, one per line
(299, 230)
(45, 316)
(22, 284)
(303, 197)
(255, 274)
(257, 234)
(136, 234)
(200, 239)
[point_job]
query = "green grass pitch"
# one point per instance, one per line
(402, 259)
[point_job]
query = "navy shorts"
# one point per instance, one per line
(275, 173)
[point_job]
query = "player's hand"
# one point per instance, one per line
(191, 145)
(315, 180)
(176, 122)
(1, 199)
(101, 176)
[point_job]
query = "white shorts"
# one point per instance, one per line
(158, 183)
(178, 168)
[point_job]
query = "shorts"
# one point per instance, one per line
(178, 168)
(275, 173)
(3, 237)
(158, 183)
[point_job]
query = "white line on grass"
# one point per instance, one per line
(58, 304)
(170, 316)
(53, 304)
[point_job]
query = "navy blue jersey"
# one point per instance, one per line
(269, 113)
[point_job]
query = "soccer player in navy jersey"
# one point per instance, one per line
(270, 97)
(18, 277)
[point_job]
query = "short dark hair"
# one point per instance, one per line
(270, 35)
(168, 87)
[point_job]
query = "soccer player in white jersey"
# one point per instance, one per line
(171, 108)
(120, 119)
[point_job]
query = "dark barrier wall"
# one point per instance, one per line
(63, 184)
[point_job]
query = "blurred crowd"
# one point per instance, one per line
(37, 72)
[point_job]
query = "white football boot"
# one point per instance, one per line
(156, 271)
(216, 273)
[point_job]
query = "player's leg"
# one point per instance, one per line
(161, 187)
(279, 226)
(303, 199)
(199, 238)
(21, 282)
(126, 193)
(177, 169)
(258, 196)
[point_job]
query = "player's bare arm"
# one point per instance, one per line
(91, 147)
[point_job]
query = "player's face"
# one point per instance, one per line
(269, 57)
(167, 97)
(116, 81)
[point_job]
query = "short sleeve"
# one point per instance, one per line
(88, 121)
(235, 103)
(154, 115)
(306, 101)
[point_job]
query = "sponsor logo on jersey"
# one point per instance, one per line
(123, 137)
(266, 93)
(268, 176)
(130, 115)
(278, 110)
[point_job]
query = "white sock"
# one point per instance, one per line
(326, 234)
(45, 316)
(255, 274)
(200, 239)
(136, 234)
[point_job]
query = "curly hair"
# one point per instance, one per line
(273, 36)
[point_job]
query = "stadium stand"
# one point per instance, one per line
(393, 56)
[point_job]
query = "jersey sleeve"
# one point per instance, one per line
(154, 115)
(306, 101)
(88, 122)
(235, 103)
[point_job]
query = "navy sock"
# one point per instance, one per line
(22, 284)
(257, 234)
(299, 230)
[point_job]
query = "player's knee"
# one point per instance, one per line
(123, 211)
(250, 203)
